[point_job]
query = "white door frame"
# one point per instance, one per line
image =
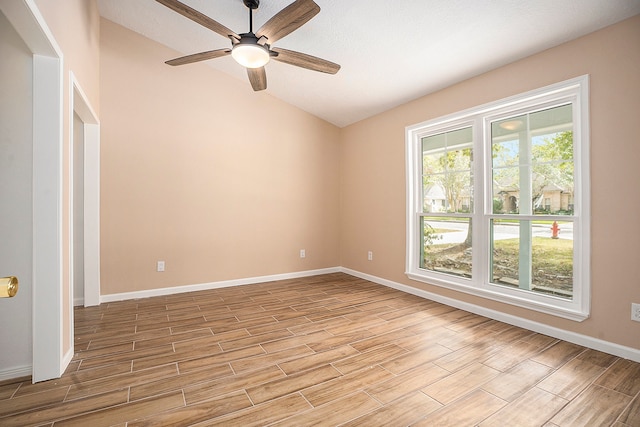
(91, 194)
(48, 359)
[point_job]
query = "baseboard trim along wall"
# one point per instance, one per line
(13, 373)
(67, 359)
(215, 285)
(583, 340)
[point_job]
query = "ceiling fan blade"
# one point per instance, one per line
(305, 61)
(199, 17)
(197, 57)
(258, 78)
(288, 19)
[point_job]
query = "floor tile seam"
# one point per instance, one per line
(570, 397)
(159, 365)
(608, 389)
(109, 357)
(537, 383)
(628, 405)
(128, 384)
(496, 369)
(366, 390)
(534, 386)
(592, 381)
(230, 416)
(41, 408)
(539, 351)
(114, 407)
(252, 344)
(215, 381)
(315, 366)
(46, 422)
(607, 369)
(499, 372)
(80, 355)
(343, 397)
(172, 342)
(464, 395)
(178, 387)
(67, 383)
(382, 405)
(32, 408)
(584, 391)
(16, 390)
(299, 393)
(132, 335)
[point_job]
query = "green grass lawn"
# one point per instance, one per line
(552, 260)
(549, 255)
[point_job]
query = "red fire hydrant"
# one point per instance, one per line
(555, 230)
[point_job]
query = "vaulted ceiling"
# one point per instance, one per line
(391, 52)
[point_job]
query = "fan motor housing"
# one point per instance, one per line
(251, 4)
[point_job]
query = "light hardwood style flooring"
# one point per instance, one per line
(327, 350)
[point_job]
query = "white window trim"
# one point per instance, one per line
(575, 90)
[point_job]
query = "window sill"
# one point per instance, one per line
(544, 304)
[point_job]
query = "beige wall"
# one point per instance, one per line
(373, 198)
(75, 25)
(201, 172)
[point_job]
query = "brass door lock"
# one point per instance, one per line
(8, 287)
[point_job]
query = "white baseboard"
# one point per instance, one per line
(583, 340)
(26, 371)
(214, 285)
(66, 359)
(22, 371)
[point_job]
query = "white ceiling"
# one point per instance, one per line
(391, 52)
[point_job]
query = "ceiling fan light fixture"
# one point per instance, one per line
(253, 50)
(250, 55)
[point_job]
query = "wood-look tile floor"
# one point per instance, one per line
(325, 350)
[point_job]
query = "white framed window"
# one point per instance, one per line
(498, 200)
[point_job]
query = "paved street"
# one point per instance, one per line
(501, 232)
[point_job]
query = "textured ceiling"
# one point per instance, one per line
(390, 51)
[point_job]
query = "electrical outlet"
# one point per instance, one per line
(160, 266)
(370, 255)
(303, 253)
(635, 312)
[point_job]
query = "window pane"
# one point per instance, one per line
(447, 180)
(446, 245)
(458, 191)
(504, 153)
(433, 163)
(506, 190)
(553, 188)
(532, 163)
(533, 255)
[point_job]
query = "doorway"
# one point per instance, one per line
(84, 203)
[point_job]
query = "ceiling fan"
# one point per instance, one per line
(253, 50)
